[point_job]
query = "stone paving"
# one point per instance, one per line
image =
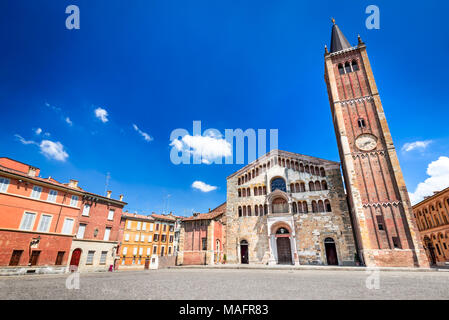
(225, 284)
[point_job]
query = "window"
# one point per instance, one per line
(169, 250)
(149, 238)
(111, 215)
(103, 257)
(278, 183)
(4, 183)
(165, 228)
(126, 236)
(90, 257)
(348, 67)
(107, 233)
(129, 225)
(341, 70)
(172, 228)
(67, 228)
(171, 239)
(361, 123)
(59, 258)
(380, 223)
(355, 66)
(140, 251)
(156, 237)
(81, 230)
(203, 243)
(136, 237)
(162, 251)
(144, 226)
(86, 210)
(157, 226)
(44, 224)
(15, 257)
(164, 238)
(125, 251)
(74, 201)
(36, 193)
(151, 227)
(142, 238)
(52, 194)
(148, 251)
(28, 221)
(134, 251)
(139, 224)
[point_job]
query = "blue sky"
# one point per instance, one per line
(160, 65)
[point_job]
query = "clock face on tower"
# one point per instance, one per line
(366, 142)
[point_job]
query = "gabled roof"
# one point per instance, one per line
(338, 39)
(136, 216)
(209, 215)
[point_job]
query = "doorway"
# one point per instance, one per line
(284, 250)
(331, 252)
(75, 260)
(244, 252)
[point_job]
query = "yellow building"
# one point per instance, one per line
(143, 237)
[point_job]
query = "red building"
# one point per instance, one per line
(202, 238)
(96, 242)
(38, 219)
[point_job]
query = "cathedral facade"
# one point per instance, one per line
(288, 208)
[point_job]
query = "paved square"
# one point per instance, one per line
(230, 284)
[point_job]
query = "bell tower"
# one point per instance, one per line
(385, 231)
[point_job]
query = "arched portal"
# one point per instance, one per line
(75, 260)
(331, 252)
(244, 258)
(284, 249)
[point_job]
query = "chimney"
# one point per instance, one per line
(209, 210)
(121, 197)
(73, 183)
(32, 171)
(109, 193)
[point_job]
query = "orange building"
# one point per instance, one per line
(432, 218)
(38, 219)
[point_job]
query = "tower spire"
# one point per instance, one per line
(338, 39)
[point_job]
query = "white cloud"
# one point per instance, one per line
(204, 187)
(53, 150)
(439, 179)
(38, 131)
(146, 136)
(101, 114)
(208, 148)
(67, 119)
(416, 145)
(50, 149)
(23, 141)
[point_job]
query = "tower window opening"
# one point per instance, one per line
(348, 67)
(341, 69)
(355, 66)
(361, 123)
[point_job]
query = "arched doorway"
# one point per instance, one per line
(284, 249)
(430, 250)
(331, 252)
(244, 259)
(75, 260)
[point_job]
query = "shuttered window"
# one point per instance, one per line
(36, 193)
(52, 194)
(103, 257)
(28, 221)
(68, 226)
(90, 257)
(4, 183)
(44, 224)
